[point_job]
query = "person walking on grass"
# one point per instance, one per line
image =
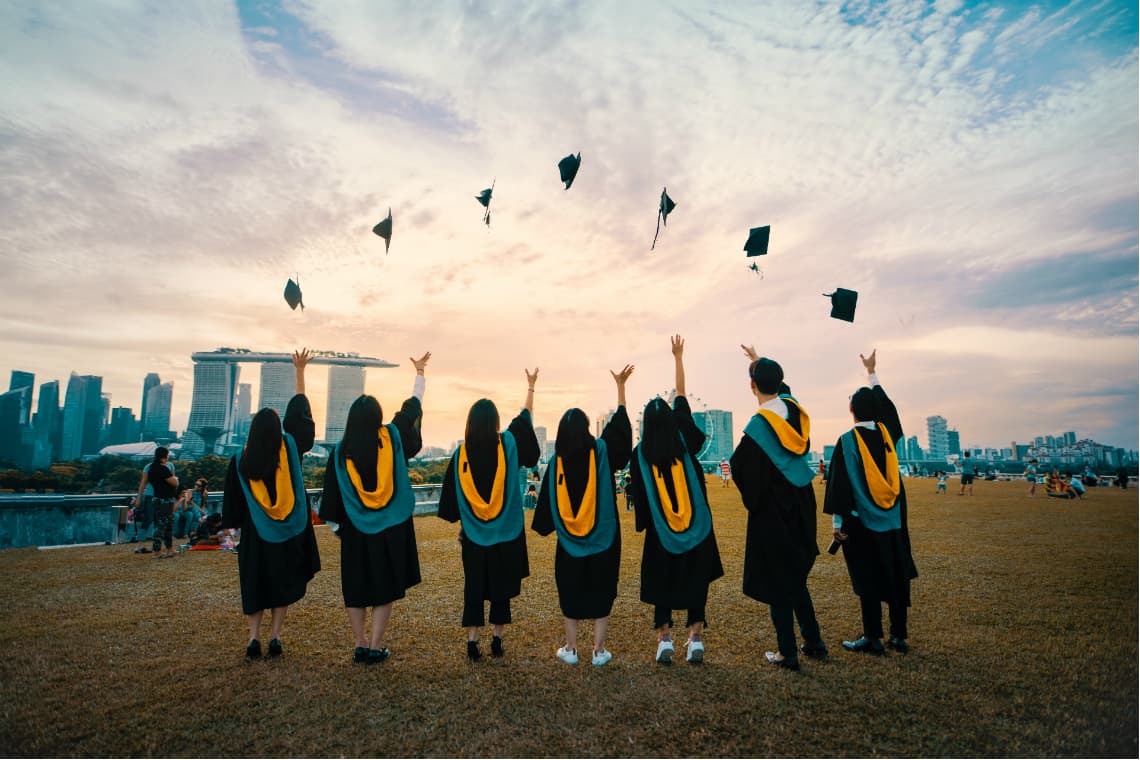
(164, 485)
(265, 497)
(578, 501)
(481, 492)
(368, 493)
(679, 558)
(771, 471)
(1031, 477)
(867, 501)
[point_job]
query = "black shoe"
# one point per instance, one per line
(496, 646)
(788, 663)
(376, 656)
(866, 645)
(253, 651)
(473, 652)
(897, 644)
(817, 651)
(360, 654)
(275, 649)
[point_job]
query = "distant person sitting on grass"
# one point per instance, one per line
(1076, 487)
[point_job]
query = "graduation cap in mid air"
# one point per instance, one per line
(384, 229)
(485, 198)
(757, 243)
(663, 208)
(568, 168)
(843, 304)
(293, 295)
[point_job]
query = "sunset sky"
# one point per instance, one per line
(969, 168)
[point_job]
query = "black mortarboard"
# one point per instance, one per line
(384, 230)
(568, 168)
(843, 304)
(757, 244)
(293, 295)
(485, 198)
(663, 208)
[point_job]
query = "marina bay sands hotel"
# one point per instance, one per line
(221, 405)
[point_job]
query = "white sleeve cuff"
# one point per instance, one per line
(837, 522)
(873, 379)
(418, 388)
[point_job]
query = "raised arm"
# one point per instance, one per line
(531, 379)
(420, 383)
(678, 344)
(300, 361)
(620, 378)
(888, 414)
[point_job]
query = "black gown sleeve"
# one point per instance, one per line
(522, 428)
(299, 423)
(693, 436)
(332, 506)
(641, 516)
(448, 506)
(838, 498)
(233, 499)
(618, 435)
(888, 414)
(407, 421)
(747, 474)
(543, 521)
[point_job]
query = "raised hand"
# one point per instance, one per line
(301, 358)
(869, 362)
(751, 352)
(678, 345)
(531, 377)
(621, 377)
(420, 363)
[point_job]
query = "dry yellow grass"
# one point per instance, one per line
(1024, 635)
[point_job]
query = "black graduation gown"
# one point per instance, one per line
(587, 586)
(880, 564)
(273, 575)
(377, 568)
(492, 572)
(780, 545)
(674, 581)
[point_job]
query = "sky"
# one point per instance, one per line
(969, 168)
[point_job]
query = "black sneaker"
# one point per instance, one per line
(376, 656)
(360, 654)
(253, 651)
(818, 650)
(897, 644)
(275, 649)
(496, 646)
(473, 652)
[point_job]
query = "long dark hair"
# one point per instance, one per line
(482, 430)
(365, 417)
(263, 446)
(661, 443)
(574, 437)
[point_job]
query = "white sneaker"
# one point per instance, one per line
(694, 652)
(665, 652)
(601, 658)
(567, 656)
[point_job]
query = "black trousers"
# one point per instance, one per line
(163, 524)
(696, 613)
(473, 612)
(873, 618)
(804, 612)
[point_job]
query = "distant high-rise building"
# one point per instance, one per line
(346, 384)
(718, 426)
(913, 451)
(82, 414)
(151, 380)
(278, 385)
(159, 400)
(540, 434)
(243, 405)
(953, 442)
(24, 381)
(937, 443)
(11, 431)
(48, 425)
(1070, 438)
(211, 405)
(105, 420)
(123, 426)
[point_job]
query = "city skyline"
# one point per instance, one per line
(970, 168)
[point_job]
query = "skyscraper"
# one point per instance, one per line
(82, 414)
(211, 405)
(719, 426)
(953, 443)
(938, 446)
(23, 381)
(11, 405)
(913, 451)
(159, 399)
(243, 404)
(540, 434)
(123, 426)
(150, 381)
(278, 384)
(346, 384)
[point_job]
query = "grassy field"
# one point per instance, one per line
(1023, 633)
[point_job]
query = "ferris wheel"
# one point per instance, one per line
(700, 416)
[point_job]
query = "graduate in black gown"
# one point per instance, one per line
(481, 491)
(770, 469)
(369, 496)
(265, 497)
(679, 558)
(867, 501)
(578, 501)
